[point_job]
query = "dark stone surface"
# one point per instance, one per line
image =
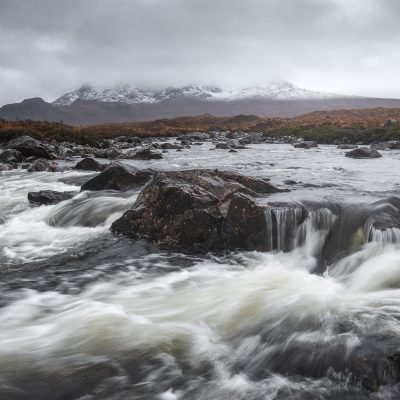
(144, 153)
(28, 147)
(42, 165)
(306, 144)
(89, 164)
(363, 152)
(192, 209)
(117, 176)
(11, 156)
(46, 197)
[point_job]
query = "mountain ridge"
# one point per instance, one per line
(135, 95)
(90, 106)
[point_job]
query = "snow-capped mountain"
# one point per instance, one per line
(130, 95)
(91, 105)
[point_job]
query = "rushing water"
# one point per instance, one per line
(88, 315)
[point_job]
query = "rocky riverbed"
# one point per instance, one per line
(204, 267)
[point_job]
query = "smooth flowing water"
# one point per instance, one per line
(85, 314)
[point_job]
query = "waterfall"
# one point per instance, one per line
(282, 224)
(312, 233)
(384, 237)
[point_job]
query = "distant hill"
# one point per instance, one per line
(367, 125)
(88, 105)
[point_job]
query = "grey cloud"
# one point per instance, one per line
(48, 47)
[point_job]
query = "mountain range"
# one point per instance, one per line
(123, 103)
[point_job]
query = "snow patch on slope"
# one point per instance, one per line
(130, 95)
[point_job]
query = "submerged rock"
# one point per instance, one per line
(117, 176)
(363, 152)
(89, 164)
(203, 209)
(29, 147)
(46, 197)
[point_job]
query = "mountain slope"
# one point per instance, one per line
(127, 94)
(89, 105)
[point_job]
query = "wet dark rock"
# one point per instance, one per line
(189, 209)
(89, 164)
(222, 145)
(345, 146)
(46, 197)
(245, 141)
(306, 144)
(30, 159)
(245, 226)
(118, 176)
(289, 182)
(100, 153)
(28, 147)
(113, 153)
(42, 165)
(391, 145)
(363, 152)
(11, 156)
(232, 151)
(144, 153)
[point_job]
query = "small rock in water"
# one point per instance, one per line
(46, 197)
(42, 165)
(117, 176)
(11, 156)
(306, 144)
(144, 153)
(363, 152)
(89, 164)
(28, 147)
(113, 153)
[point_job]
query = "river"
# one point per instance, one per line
(85, 314)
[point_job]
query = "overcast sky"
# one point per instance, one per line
(49, 47)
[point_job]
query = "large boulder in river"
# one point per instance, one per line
(46, 197)
(363, 152)
(89, 164)
(199, 209)
(29, 147)
(118, 176)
